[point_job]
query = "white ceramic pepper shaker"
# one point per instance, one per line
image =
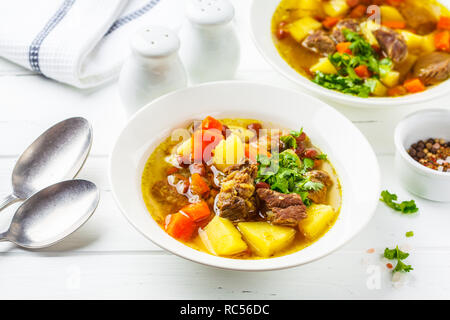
(153, 68)
(210, 47)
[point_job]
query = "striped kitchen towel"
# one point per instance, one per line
(79, 42)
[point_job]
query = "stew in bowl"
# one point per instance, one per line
(237, 188)
(366, 48)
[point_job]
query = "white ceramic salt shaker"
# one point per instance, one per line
(210, 47)
(152, 69)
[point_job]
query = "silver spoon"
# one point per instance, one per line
(52, 214)
(56, 155)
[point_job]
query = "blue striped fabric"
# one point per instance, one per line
(131, 16)
(33, 51)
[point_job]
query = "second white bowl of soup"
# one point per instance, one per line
(392, 53)
(174, 204)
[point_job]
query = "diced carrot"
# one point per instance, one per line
(352, 3)
(344, 47)
(397, 91)
(172, 170)
(180, 226)
(198, 185)
(211, 123)
(442, 40)
(394, 24)
(358, 12)
(252, 150)
(197, 211)
(330, 22)
(362, 71)
(444, 23)
(414, 85)
(394, 3)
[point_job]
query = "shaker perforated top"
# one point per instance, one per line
(209, 12)
(155, 42)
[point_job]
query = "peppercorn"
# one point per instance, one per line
(433, 154)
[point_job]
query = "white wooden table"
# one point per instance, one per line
(107, 258)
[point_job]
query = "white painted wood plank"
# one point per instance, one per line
(353, 275)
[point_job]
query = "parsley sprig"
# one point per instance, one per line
(286, 173)
(397, 254)
(405, 207)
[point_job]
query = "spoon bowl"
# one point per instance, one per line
(56, 155)
(52, 214)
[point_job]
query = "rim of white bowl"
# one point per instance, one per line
(234, 264)
(430, 93)
(401, 129)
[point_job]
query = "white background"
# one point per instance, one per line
(107, 258)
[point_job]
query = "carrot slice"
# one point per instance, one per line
(414, 85)
(198, 185)
(358, 12)
(394, 3)
(211, 123)
(442, 40)
(252, 151)
(204, 142)
(397, 91)
(352, 3)
(394, 24)
(444, 23)
(180, 226)
(197, 211)
(330, 22)
(362, 71)
(344, 47)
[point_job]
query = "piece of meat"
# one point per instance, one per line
(433, 68)
(319, 196)
(236, 200)
(282, 209)
(392, 43)
(419, 16)
(338, 34)
(169, 195)
(320, 42)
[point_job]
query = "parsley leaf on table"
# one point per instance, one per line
(397, 254)
(409, 234)
(406, 207)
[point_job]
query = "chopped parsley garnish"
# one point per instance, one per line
(286, 173)
(409, 234)
(406, 207)
(289, 142)
(347, 81)
(297, 134)
(397, 254)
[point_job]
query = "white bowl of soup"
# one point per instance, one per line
(244, 176)
(356, 53)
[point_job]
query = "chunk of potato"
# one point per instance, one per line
(300, 29)
(222, 238)
(406, 66)
(419, 44)
(266, 239)
(335, 8)
(367, 29)
(228, 152)
(391, 79)
(319, 219)
(380, 90)
(389, 13)
(242, 133)
(305, 8)
(185, 149)
(325, 66)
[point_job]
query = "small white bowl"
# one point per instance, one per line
(347, 149)
(416, 178)
(261, 13)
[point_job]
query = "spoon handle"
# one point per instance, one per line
(7, 201)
